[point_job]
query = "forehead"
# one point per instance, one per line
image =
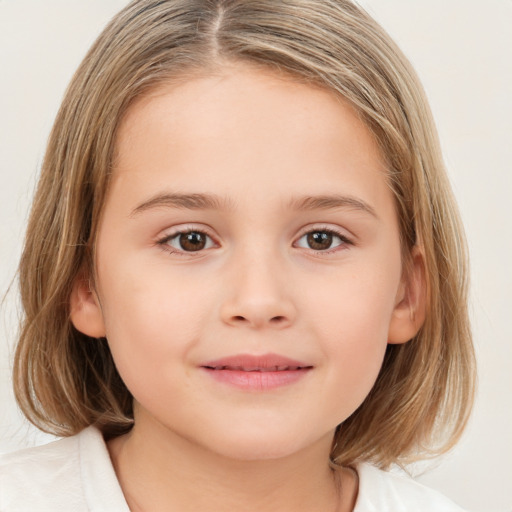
(245, 128)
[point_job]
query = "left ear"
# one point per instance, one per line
(411, 301)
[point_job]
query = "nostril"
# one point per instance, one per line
(277, 319)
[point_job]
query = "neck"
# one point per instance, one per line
(163, 471)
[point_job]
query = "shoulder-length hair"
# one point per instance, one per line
(65, 381)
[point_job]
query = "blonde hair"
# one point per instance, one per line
(65, 381)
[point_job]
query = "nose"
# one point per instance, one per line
(259, 295)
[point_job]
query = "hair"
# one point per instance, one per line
(65, 381)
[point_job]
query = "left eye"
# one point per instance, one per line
(190, 241)
(321, 240)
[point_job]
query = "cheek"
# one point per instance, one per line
(352, 321)
(151, 320)
(145, 295)
(355, 306)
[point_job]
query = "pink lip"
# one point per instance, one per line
(259, 373)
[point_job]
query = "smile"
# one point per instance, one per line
(256, 373)
(256, 369)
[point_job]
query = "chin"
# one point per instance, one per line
(264, 445)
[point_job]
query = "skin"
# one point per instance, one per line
(259, 140)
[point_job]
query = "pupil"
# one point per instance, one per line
(192, 241)
(320, 240)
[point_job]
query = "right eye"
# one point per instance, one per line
(191, 240)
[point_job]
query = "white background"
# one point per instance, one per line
(462, 50)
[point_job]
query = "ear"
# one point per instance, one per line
(411, 302)
(86, 314)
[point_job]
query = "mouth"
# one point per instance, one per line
(257, 373)
(256, 368)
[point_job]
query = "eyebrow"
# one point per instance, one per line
(329, 202)
(185, 201)
(215, 202)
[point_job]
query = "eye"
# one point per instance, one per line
(322, 240)
(187, 241)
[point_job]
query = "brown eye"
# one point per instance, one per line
(192, 241)
(321, 240)
(189, 241)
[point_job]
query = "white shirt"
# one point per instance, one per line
(75, 474)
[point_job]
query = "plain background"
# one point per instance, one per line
(462, 52)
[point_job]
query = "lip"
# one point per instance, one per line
(256, 373)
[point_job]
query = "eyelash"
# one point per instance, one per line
(164, 242)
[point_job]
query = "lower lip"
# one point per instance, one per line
(257, 381)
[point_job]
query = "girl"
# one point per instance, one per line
(244, 276)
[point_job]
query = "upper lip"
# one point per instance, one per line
(255, 363)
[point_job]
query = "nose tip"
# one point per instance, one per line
(258, 306)
(259, 294)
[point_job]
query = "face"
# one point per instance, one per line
(249, 275)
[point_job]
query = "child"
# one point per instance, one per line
(243, 279)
